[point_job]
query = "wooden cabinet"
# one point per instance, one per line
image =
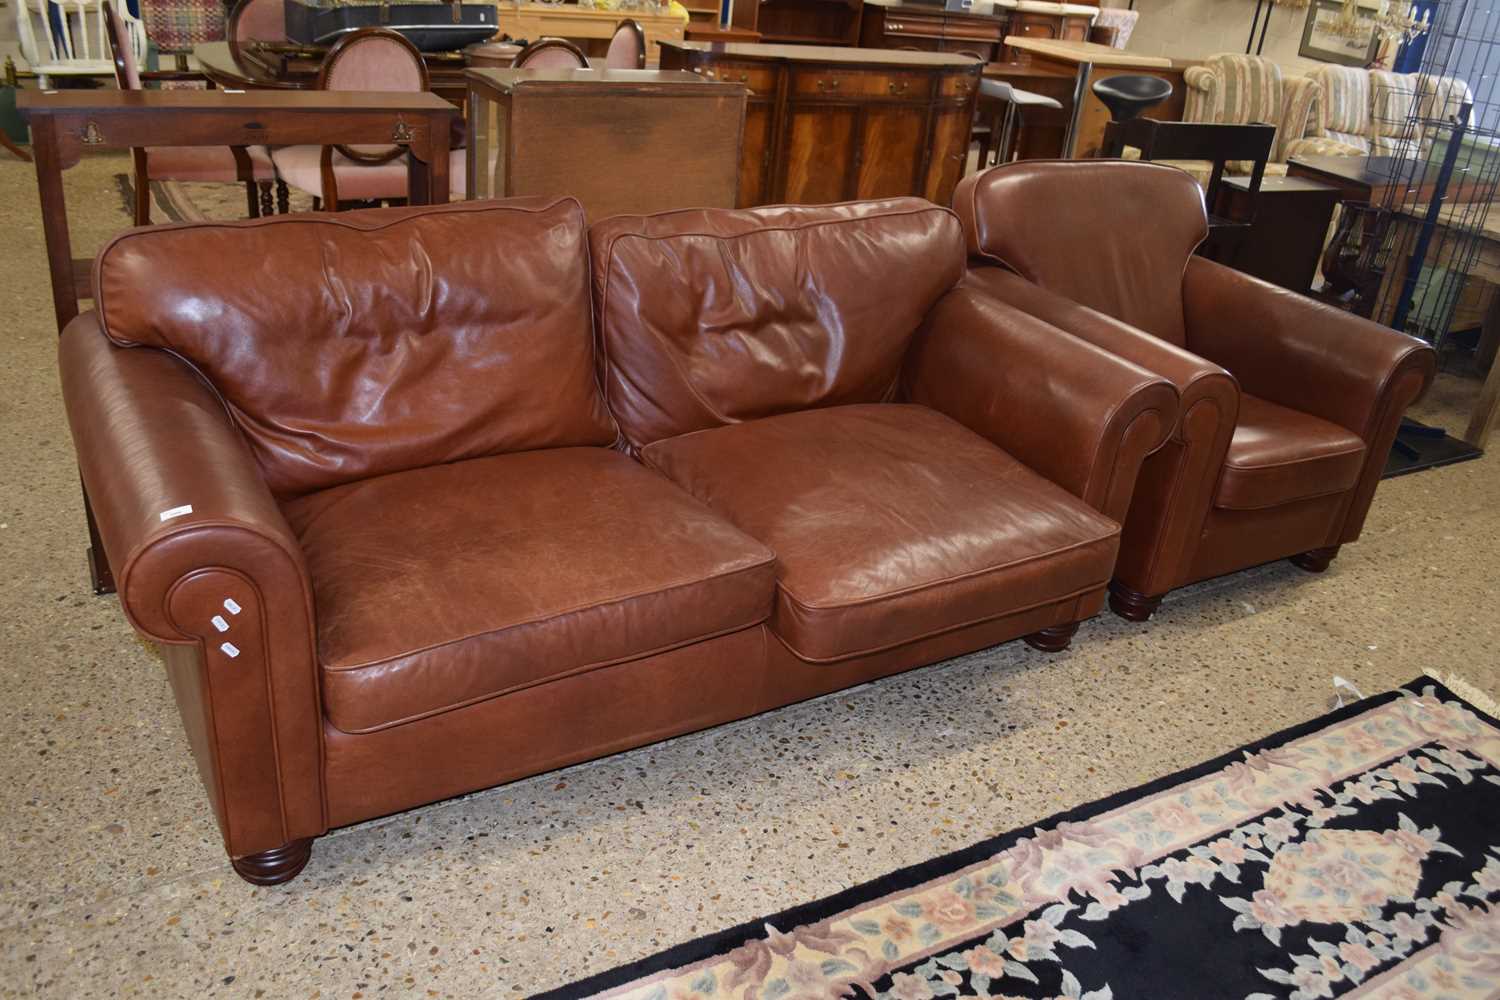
(833, 124)
(618, 140)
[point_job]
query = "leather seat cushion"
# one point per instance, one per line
(440, 587)
(890, 523)
(1279, 455)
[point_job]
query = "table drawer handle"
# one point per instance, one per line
(898, 87)
(827, 85)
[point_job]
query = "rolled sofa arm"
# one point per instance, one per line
(1202, 84)
(1309, 357)
(1076, 414)
(206, 564)
(1300, 109)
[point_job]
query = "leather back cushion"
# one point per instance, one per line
(352, 345)
(1112, 235)
(710, 317)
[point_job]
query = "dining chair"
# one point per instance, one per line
(627, 46)
(376, 59)
(248, 165)
(69, 38)
(256, 21)
(552, 53)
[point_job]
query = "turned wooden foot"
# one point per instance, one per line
(1054, 639)
(1131, 605)
(273, 867)
(1315, 560)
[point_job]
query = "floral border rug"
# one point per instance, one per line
(1357, 855)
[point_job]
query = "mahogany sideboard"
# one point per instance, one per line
(827, 124)
(618, 140)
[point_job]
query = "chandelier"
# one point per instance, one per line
(1392, 20)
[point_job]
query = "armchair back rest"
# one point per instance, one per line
(353, 345)
(710, 317)
(1113, 235)
(1392, 98)
(1441, 98)
(1344, 107)
(1246, 90)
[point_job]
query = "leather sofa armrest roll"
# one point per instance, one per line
(1310, 357)
(206, 564)
(1074, 413)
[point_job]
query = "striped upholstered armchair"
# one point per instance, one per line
(1233, 89)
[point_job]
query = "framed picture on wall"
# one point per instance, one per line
(1321, 42)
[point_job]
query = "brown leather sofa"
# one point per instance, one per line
(1287, 407)
(418, 501)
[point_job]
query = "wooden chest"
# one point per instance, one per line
(619, 141)
(827, 124)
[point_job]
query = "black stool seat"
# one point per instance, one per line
(1128, 96)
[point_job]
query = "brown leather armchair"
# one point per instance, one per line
(1288, 407)
(406, 528)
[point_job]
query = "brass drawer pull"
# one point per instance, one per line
(827, 85)
(898, 87)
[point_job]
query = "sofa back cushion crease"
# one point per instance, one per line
(711, 318)
(406, 338)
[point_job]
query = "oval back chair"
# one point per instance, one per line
(627, 47)
(550, 53)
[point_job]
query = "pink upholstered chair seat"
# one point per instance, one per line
(206, 163)
(300, 166)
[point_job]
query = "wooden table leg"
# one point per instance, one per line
(1482, 422)
(49, 167)
(49, 185)
(427, 169)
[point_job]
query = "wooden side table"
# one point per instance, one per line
(65, 123)
(1285, 241)
(618, 140)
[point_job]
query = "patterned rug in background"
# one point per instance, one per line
(1357, 855)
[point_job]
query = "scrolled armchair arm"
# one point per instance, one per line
(1297, 352)
(1172, 500)
(206, 563)
(1310, 357)
(1072, 412)
(1199, 78)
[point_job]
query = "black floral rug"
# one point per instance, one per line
(1355, 856)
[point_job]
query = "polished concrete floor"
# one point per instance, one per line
(113, 883)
